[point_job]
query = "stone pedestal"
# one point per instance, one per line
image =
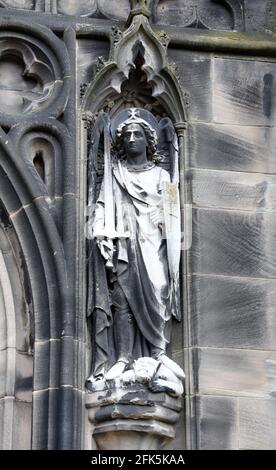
(132, 417)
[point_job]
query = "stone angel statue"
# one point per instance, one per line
(134, 251)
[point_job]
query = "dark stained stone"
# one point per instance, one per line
(243, 92)
(234, 243)
(217, 420)
(24, 377)
(229, 312)
(257, 15)
(46, 351)
(233, 190)
(194, 72)
(232, 147)
(235, 372)
(22, 425)
(89, 52)
(257, 423)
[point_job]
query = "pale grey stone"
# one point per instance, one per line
(234, 243)
(257, 15)
(257, 424)
(235, 372)
(229, 312)
(217, 421)
(202, 14)
(233, 190)
(22, 425)
(232, 147)
(15, 424)
(89, 52)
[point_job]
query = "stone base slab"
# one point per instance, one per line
(132, 418)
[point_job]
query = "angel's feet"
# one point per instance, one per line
(95, 378)
(170, 364)
(116, 370)
(161, 385)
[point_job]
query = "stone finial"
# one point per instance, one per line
(141, 7)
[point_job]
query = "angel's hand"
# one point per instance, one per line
(106, 247)
(157, 216)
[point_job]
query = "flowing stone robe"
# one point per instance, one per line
(140, 261)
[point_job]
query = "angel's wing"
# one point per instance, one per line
(168, 148)
(96, 157)
(95, 178)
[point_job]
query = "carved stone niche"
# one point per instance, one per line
(20, 4)
(134, 389)
(132, 418)
(83, 8)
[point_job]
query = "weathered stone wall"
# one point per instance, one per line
(232, 284)
(228, 343)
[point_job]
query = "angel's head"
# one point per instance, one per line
(134, 138)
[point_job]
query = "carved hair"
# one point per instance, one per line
(150, 134)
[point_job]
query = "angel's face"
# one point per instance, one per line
(135, 140)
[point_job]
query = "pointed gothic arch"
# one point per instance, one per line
(159, 72)
(41, 247)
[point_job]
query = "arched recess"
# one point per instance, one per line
(140, 49)
(45, 146)
(138, 40)
(43, 253)
(16, 342)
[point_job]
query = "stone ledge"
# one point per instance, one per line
(132, 417)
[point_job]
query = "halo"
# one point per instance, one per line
(132, 115)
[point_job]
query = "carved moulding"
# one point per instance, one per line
(94, 8)
(132, 418)
(26, 203)
(45, 145)
(35, 73)
(201, 14)
(122, 414)
(83, 8)
(229, 14)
